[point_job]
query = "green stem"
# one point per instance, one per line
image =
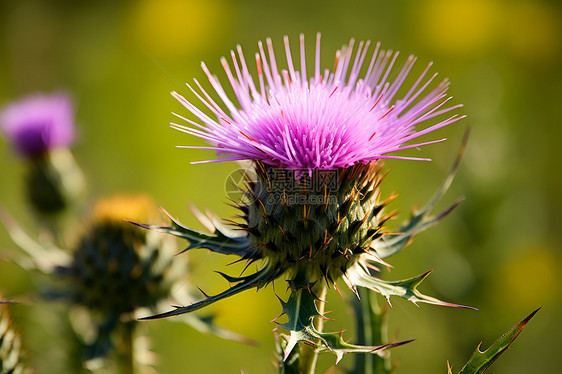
(372, 324)
(125, 352)
(309, 354)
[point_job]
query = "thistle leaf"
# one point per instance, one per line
(41, 257)
(334, 343)
(480, 361)
(358, 275)
(422, 219)
(301, 310)
(216, 242)
(258, 280)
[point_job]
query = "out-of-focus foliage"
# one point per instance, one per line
(499, 251)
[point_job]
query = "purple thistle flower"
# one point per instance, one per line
(38, 123)
(333, 119)
(312, 211)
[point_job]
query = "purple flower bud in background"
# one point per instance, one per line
(38, 123)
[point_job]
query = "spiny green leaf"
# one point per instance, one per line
(41, 257)
(258, 279)
(216, 242)
(358, 275)
(301, 310)
(422, 219)
(480, 361)
(334, 343)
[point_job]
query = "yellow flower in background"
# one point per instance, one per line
(178, 27)
(531, 30)
(461, 26)
(531, 278)
(134, 207)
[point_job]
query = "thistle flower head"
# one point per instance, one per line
(325, 119)
(296, 126)
(314, 212)
(36, 124)
(116, 267)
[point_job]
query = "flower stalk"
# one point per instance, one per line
(309, 353)
(126, 347)
(372, 329)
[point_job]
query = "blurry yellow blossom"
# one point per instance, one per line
(531, 30)
(461, 26)
(175, 27)
(531, 278)
(137, 208)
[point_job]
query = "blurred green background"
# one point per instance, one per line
(499, 251)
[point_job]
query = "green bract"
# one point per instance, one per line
(315, 226)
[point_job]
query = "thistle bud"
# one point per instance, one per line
(40, 129)
(39, 123)
(117, 267)
(316, 223)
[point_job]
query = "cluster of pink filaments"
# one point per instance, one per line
(330, 120)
